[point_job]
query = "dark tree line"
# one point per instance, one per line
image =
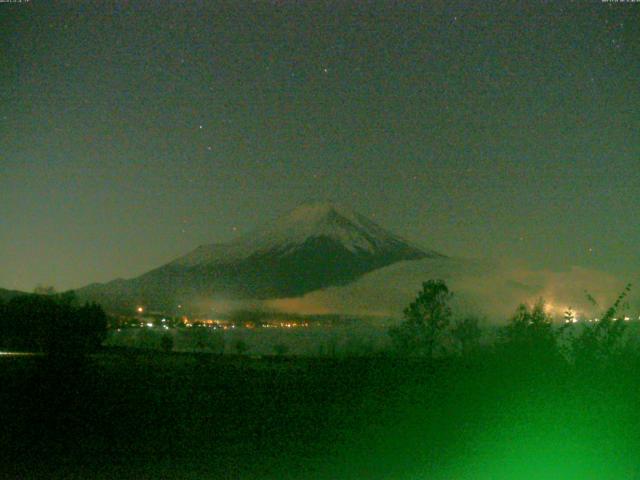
(53, 323)
(530, 332)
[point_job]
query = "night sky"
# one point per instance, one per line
(130, 133)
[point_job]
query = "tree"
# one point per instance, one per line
(207, 339)
(54, 324)
(166, 342)
(530, 331)
(466, 334)
(3, 325)
(44, 290)
(280, 349)
(599, 340)
(425, 320)
(91, 325)
(240, 346)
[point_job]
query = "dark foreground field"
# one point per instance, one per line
(132, 415)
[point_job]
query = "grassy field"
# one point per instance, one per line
(127, 414)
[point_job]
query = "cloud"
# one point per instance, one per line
(491, 289)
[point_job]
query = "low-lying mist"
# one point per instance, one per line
(488, 289)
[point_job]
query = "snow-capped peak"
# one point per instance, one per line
(308, 221)
(353, 231)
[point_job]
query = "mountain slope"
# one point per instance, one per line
(352, 231)
(312, 247)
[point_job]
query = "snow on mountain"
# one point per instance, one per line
(321, 258)
(312, 247)
(351, 230)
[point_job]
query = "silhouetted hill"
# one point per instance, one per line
(8, 294)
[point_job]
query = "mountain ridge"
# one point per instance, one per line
(6, 294)
(294, 228)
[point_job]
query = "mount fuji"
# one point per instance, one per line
(312, 247)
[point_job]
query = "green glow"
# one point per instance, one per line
(548, 433)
